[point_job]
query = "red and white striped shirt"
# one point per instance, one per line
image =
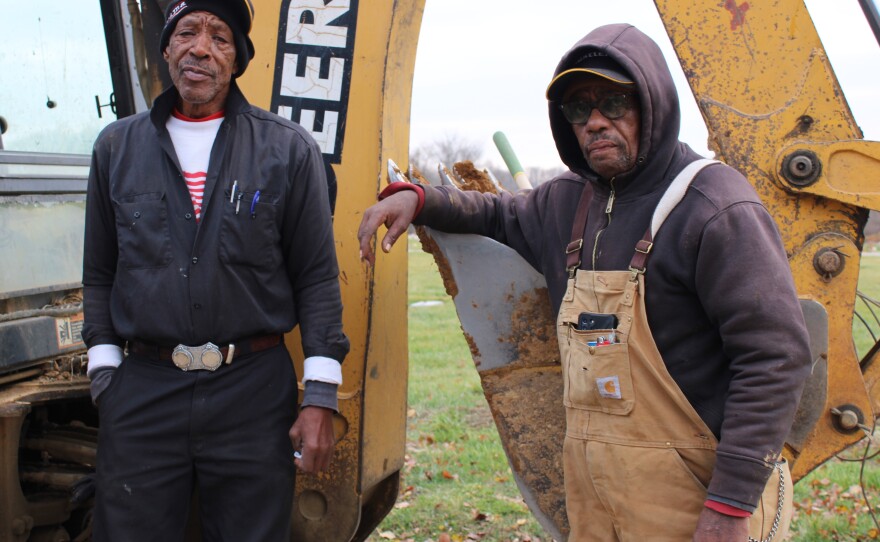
(193, 140)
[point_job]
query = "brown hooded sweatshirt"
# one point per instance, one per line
(720, 298)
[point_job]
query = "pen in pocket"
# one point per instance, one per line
(254, 204)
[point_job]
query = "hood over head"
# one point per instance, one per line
(592, 63)
(645, 66)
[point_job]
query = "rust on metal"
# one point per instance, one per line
(526, 403)
(533, 330)
(430, 246)
(472, 346)
(737, 13)
(67, 368)
(525, 397)
(828, 262)
(45, 452)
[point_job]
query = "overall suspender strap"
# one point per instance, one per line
(574, 249)
(671, 198)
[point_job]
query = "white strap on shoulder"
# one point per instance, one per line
(676, 191)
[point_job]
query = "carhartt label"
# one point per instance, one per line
(609, 387)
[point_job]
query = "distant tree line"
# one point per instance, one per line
(453, 148)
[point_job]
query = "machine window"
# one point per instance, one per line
(53, 61)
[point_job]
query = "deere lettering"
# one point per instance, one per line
(314, 60)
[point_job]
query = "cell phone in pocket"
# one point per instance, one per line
(594, 320)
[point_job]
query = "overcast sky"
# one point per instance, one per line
(483, 65)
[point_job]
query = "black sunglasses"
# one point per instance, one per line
(612, 106)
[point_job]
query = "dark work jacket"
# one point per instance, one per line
(720, 298)
(152, 273)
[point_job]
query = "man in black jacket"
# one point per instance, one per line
(719, 348)
(208, 237)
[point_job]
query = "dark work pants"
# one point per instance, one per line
(165, 432)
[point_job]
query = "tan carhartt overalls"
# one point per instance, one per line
(637, 456)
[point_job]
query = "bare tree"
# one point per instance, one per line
(448, 150)
(539, 175)
(454, 148)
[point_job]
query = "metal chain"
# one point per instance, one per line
(779, 506)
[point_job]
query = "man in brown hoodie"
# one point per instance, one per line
(678, 404)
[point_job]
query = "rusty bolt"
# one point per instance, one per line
(848, 418)
(829, 262)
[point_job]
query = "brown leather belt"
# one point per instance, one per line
(183, 356)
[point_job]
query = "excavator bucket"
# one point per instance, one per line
(507, 322)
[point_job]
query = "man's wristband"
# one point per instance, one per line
(394, 188)
(727, 509)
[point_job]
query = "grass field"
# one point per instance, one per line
(457, 486)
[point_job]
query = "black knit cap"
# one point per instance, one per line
(237, 14)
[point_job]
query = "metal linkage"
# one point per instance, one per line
(780, 504)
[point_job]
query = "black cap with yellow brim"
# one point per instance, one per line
(593, 63)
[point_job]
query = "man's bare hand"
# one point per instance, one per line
(312, 436)
(717, 527)
(396, 212)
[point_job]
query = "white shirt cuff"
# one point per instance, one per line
(321, 369)
(104, 355)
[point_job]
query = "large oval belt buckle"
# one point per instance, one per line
(182, 357)
(193, 358)
(211, 356)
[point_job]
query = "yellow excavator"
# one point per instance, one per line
(343, 69)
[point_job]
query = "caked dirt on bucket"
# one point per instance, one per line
(471, 178)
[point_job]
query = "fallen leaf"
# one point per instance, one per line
(387, 535)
